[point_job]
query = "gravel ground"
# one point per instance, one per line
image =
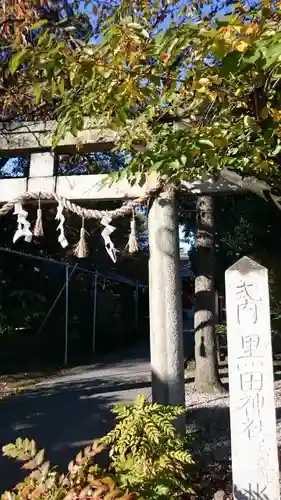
(208, 415)
(208, 422)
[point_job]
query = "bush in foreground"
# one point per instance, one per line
(147, 459)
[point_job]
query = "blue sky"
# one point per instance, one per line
(185, 243)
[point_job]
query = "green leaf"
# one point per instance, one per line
(231, 63)
(61, 87)
(157, 165)
(252, 57)
(39, 458)
(159, 39)
(172, 45)
(122, 115)
(16, 61)
(175, 165)
(19, 442)
(250, 122)
(8, 449)
(45, 468)
(264, 113)
(33, 448)
(37, 93)
(39, 24)
(276, 150)
(183, 159)
(53, 88)
(205, 144)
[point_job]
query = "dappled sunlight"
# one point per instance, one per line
(63, 416)
(71, 445)
(20, 427)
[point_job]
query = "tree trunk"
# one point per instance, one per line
(206, 374)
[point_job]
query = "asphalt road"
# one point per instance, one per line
(66, 413)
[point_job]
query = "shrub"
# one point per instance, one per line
(146, 455)
(84, 480)
(221, 331)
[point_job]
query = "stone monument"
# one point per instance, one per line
(255, 465)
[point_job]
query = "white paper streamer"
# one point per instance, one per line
(60, 217)
(109, 245)
(23, 229)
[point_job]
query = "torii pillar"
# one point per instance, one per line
(166, 328)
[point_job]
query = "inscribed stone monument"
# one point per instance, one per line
(255, 465)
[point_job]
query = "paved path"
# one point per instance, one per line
(65, 413)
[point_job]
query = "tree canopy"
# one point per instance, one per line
(191, 87)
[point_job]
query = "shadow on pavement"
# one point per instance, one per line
(62, 419)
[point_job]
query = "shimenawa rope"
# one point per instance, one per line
(87, 213)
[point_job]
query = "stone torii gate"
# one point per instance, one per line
(166, 337)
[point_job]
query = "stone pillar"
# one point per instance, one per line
(41, 164)
(41, 172)
(166, 329)
(255, 467)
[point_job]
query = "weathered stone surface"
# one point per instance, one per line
(220, 495)
(16, 138)
(74, 187)
(166, 330)
(252, 408)
(42, 164)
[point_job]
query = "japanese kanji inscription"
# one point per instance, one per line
(252, 408)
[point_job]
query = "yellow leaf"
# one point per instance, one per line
(204, 81)
(226, 31)
(202, 90)
(257, 158)
(212, 95)
(249, 121)
(276, 114)
(239, 29)
(251, 28)
(241, 45)
(216, 80)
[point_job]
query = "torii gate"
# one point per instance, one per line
(166, 330)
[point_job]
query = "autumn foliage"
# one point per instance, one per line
(16, 17)
(190, 87)
(148, 459)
